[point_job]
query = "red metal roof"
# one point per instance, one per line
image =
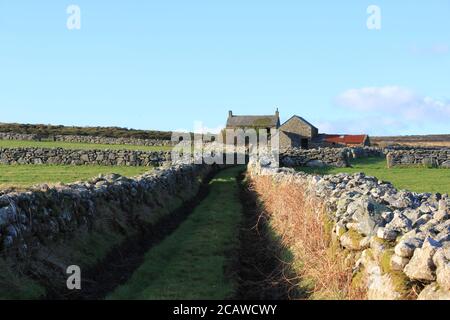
(345, 139)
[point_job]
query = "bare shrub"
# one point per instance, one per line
(301, 222)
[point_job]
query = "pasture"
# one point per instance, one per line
(77, 146)
(417, 179)
(22, 176)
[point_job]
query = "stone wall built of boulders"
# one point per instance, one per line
(18, 136)
(108, 140)
(364, 152)
(86, 139)
(60, 156)
(428, 157)
(399, 238)
(314, 158)
(43, 216)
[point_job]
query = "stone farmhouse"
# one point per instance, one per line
(295, 132)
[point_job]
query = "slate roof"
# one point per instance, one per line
(301, 119)
(253, 121)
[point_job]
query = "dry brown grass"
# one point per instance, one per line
(303, 227)
(413, 143)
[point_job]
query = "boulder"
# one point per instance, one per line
(442, 261)
(7, 214)
(421, 267)
(429, 162)
(316, 164)
(400, 223)
(351, 240)
(433, 292)
(382, 287)
(445, 164)
(406, 248)
(84, 157)
(365, 215)
(387, 234)
(443, 276)
(398, 263)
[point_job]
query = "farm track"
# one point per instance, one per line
(255, 265)
(121, 262)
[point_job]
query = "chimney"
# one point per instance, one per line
(230, 114)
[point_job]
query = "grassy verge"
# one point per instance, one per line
(418, 179)
(193, 262)
(300, 224)
(77, 146)
(21, 176)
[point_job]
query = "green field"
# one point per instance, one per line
(418, 179)
(22, 176)
(193, 262)
(77, 146)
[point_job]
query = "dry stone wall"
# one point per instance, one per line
(400, 238)
(62, 156)
(419, 157)
(314, 158)
(364, 152)
(17, 136)
(107, 140)
(87, 139)
(42, 216)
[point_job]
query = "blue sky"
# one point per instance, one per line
(166, 64)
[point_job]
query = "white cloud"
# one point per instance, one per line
(376, 98)
(435, 49)
(395, 101)
(392, 107)
(440, 49)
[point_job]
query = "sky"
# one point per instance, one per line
(166, 65)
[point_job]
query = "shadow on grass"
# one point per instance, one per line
(356, 165)
(265, 271)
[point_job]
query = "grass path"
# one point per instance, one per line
(194, 261)
(418, 179)
(22, 176)
(77, 146)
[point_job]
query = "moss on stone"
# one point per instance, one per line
(354, 236)
(386, 243)
(401, 283)
(385, 260)
(370, 254)
(378, 240)
(341, 232)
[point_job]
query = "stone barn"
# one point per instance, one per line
(295, 132)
